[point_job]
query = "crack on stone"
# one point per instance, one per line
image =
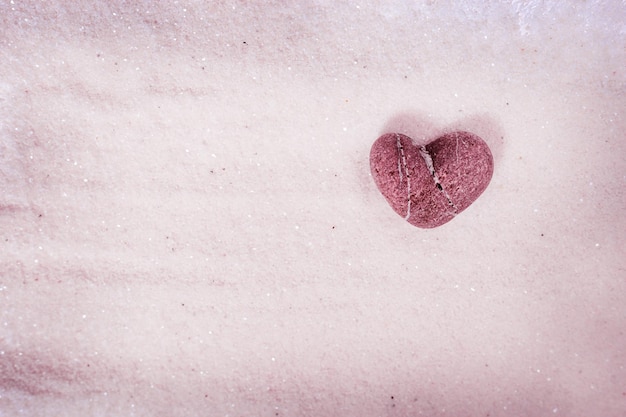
(402, 164)
(431, 168)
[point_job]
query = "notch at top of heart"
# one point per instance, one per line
(423, 128)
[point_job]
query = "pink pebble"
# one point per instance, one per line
(429, 185)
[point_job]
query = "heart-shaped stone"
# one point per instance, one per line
(429, 185)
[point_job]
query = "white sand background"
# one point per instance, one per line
(188, 225)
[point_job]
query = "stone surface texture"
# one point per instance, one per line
(429, 185)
